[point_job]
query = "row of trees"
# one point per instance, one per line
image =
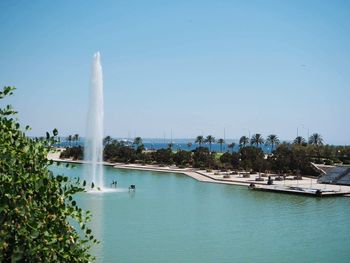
(117, 151)
(286, 158)
(73, 139)
(76, 153)
(257, 140)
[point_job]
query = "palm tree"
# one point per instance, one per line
(69, 139)
(189, 145)
(76, 137)
(200, 140)
(299, 140)
(221, 142)
(137, 141)
(243, 141)
(257, 139)
(272, 140)
(107, 140)
(170, 145)
(316, 139)
(231, 146)
(210, 139)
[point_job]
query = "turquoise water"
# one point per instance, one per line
(173, 218)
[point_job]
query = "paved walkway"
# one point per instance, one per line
(216, 177)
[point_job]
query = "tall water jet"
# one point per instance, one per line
(94, 129)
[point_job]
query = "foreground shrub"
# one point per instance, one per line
(36, 207)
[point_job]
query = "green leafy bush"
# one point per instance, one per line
(36, 207)
(76, 153)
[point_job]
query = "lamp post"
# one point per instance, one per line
(300, 126)
(224, 138)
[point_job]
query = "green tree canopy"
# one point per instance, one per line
(210, 140)
(221, 142)
(299, 140)
(316, 139)
(36, 207)
(272, 140)
(226, 158)
(257, 140)
(199, 140)
(203, 158)
(252, 158)
(183, 157)
(163, 156)
(231, 146)
(243, 141)
(137, 141)
(107, 140)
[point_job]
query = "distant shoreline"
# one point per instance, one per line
(215, 176)
(191, 172)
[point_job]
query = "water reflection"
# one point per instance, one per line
(95, 202)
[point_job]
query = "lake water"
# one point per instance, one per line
(174, 218)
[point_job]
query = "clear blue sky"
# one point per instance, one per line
(190, 66)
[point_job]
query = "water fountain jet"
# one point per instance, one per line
(93, 149)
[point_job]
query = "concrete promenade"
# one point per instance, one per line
(219, 177)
